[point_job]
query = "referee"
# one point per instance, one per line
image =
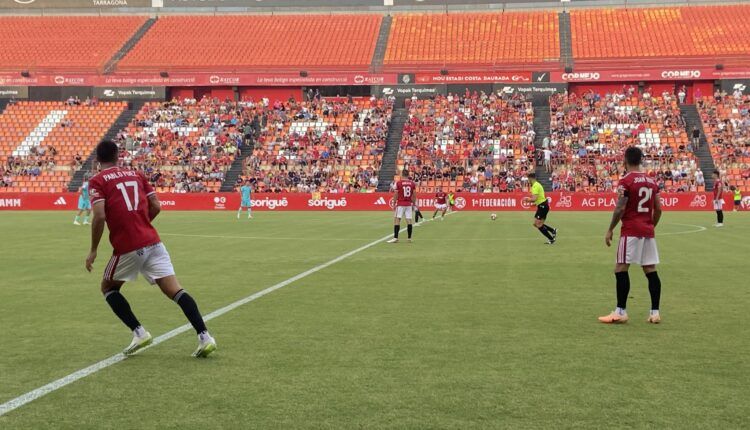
(542, 209)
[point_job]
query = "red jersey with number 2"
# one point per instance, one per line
(405, 190)
(124, 194)
(642, 192)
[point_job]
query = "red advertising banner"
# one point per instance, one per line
(199, 79)
(368, 202)
(473, 78)
(662, 74)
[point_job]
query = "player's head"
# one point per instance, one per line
(716, 174)
(532, 177)
(633, 157)
(405, 174)
(107, 152)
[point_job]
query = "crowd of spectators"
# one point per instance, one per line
(588, 134)
(186, 146)
(726, 122)
(40, 158)
(475, 142)
(319, 145)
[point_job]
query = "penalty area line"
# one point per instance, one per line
(29, 397)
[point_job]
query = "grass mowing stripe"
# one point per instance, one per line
(82, 373)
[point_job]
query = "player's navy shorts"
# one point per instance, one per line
(541, 211)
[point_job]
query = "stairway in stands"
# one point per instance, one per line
(566, 40)
(382, 43)
(703, 153)
(234, 172)
(541, 128)
(3, 104)
(121, 123)
(122, 52)
(392, 145)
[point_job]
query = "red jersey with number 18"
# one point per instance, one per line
(405, 189)
(642, 192)
(124, 194)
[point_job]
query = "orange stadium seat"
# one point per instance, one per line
(473, 39)
(73, 43)
(215, 42)
(40, 141)
(696, 31)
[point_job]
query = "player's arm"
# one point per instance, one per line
(622, 202)
(657, 209)
(532, 200)
(97, 230)
(154, 206)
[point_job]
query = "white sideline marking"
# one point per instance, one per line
(80, 374)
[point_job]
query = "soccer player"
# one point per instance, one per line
(451, 201)
(639, 209)
(84, 204)
(405, 198)
(737, 197)
(542, 209)
(441, 204)
(246, 200)
(718, 199)
(127, 203)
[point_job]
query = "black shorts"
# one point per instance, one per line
(542, 210)
(738, 202)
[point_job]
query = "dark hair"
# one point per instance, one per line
(107, 152)
(633, 156)
(716, 172)
(532, 175)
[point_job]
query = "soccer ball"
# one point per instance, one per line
(493, 217)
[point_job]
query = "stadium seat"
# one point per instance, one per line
(256, 42)
(43, 143)
(473, 39)
(661, 34)
(63, 43)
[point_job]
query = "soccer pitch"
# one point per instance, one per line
(477, 324)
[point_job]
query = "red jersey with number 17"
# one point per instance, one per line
(405, 189)
(440, 198)
(124, 194)
(642, 192)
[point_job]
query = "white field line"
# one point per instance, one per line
(24, 399)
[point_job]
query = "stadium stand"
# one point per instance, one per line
(662, 34)
(185, 146)
(43, 143)
(473, 142)
(322, 145)
(236, 43)
(71, 43)
(726, 120)
(589, 133)
(480, 39)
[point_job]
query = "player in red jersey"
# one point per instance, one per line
(405, 199)
(441, 204)
(718, 199)
(639, 209)
(127, 203)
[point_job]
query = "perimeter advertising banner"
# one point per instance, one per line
(662, 74)
(368, 202)
(68, 4)
(130, 93)
(14, 92)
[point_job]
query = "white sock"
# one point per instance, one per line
(620, 311)
(139, 331)
(654, 312)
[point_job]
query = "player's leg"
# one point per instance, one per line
(650, 259)
(719, 208)
(249, 210)
(86, 216)
(434, 214)
(627, 250)
(122, 268)
(397, 223)
(239, 211)
(442, 214)
(409, 227)
(539, 225)
(77, 220)
(158, 269)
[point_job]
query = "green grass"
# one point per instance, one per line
(477, 324)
